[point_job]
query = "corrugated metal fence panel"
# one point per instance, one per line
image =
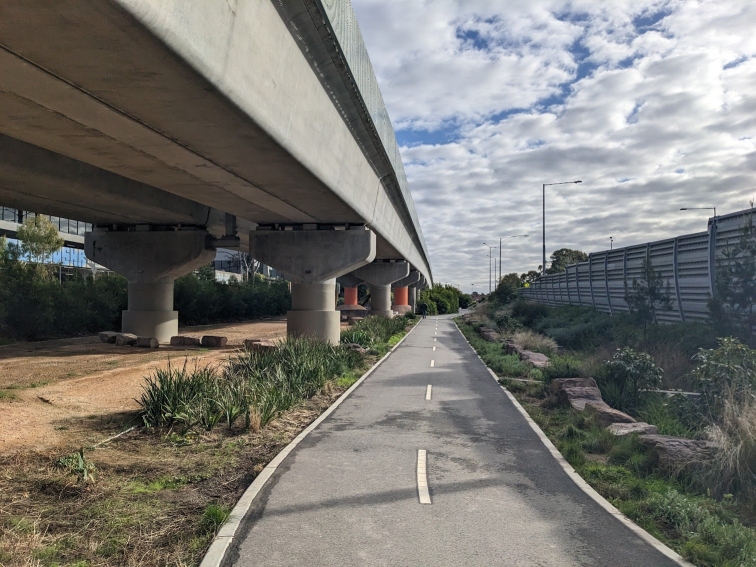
(687, 265)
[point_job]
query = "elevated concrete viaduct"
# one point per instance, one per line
(208, 121)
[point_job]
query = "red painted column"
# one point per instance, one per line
(350, 296)
(401, 300)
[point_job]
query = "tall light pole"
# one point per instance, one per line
(611, 243)
(543, 267)
(490, 257)
(502, 240)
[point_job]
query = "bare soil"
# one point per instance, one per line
(77, 391)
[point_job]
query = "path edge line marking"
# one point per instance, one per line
(579, 480)
(423, 495)
(216, 553)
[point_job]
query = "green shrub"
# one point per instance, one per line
(528, 312)
(563, 366)
(627, 374)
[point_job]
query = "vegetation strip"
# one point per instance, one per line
(217, 550)
(577, 479)
(163, 492)
(690, 486)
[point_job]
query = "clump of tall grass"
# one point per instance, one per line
(732, 470)
(373, 330)
(257, 385)
(535, 342)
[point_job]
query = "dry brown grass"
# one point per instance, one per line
(535, 342)
(733, 468)
(146, 505)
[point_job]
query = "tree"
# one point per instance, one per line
(39, 238)
(507, 289)
(735, 290)
(649, 295)
(530, 277)
(563, 257)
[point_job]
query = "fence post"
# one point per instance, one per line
(606, 282)
(712, 255)
(590, 278)
(677, 282)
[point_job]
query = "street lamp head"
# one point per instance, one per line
(578, 181)
(684, 209)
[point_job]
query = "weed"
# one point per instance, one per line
(535, 342)
(78, 465)
(213, 518)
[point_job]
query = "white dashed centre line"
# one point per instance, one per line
(422, 477)
(434, 348)
(428, 391)
(433, 363)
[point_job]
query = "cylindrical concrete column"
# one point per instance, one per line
(350, 296)
(413, 298)
(380, 301)
(150, 312)
(313, 311)
(401, 300)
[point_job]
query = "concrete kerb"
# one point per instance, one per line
(217, 550)
(578, 480)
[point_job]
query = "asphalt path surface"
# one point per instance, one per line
(348, 493)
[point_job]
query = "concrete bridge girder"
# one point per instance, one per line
(313, 259)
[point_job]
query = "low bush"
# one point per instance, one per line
(528, 313)
(626, 375)
(564, 366)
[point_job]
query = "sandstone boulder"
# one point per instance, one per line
(579, 396)
(211, 341)
(489, 334)
(355, 347)
(181, 340)
(147, 342)
(511, 347)
(536, 359)
(125, 339)
(606, 415)
(260, 344)
(675, 453)
(621, 429)
(562, 383)
(108, 336)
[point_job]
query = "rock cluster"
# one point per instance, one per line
(259, 345)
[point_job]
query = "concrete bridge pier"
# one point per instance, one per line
(313, 259)
(379, 276)
(401, 293)
(150, 260)
(351, 298)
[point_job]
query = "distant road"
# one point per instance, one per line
(350, 494)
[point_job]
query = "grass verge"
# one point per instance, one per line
(157, 496)
(705, 531)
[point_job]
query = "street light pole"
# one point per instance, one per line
(543, 267)
(490, 257)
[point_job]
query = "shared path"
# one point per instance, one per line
(428, 462)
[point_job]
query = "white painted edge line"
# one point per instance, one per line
(579, 481)
(433, 363)
(428, 392)
(217, 550)
(422, 477)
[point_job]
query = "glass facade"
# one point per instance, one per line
(66, 256)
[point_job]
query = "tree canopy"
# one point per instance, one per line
(563, 257)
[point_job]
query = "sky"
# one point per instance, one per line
(652, 104)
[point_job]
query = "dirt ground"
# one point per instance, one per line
(53, 393)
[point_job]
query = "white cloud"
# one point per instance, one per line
(664, 118)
